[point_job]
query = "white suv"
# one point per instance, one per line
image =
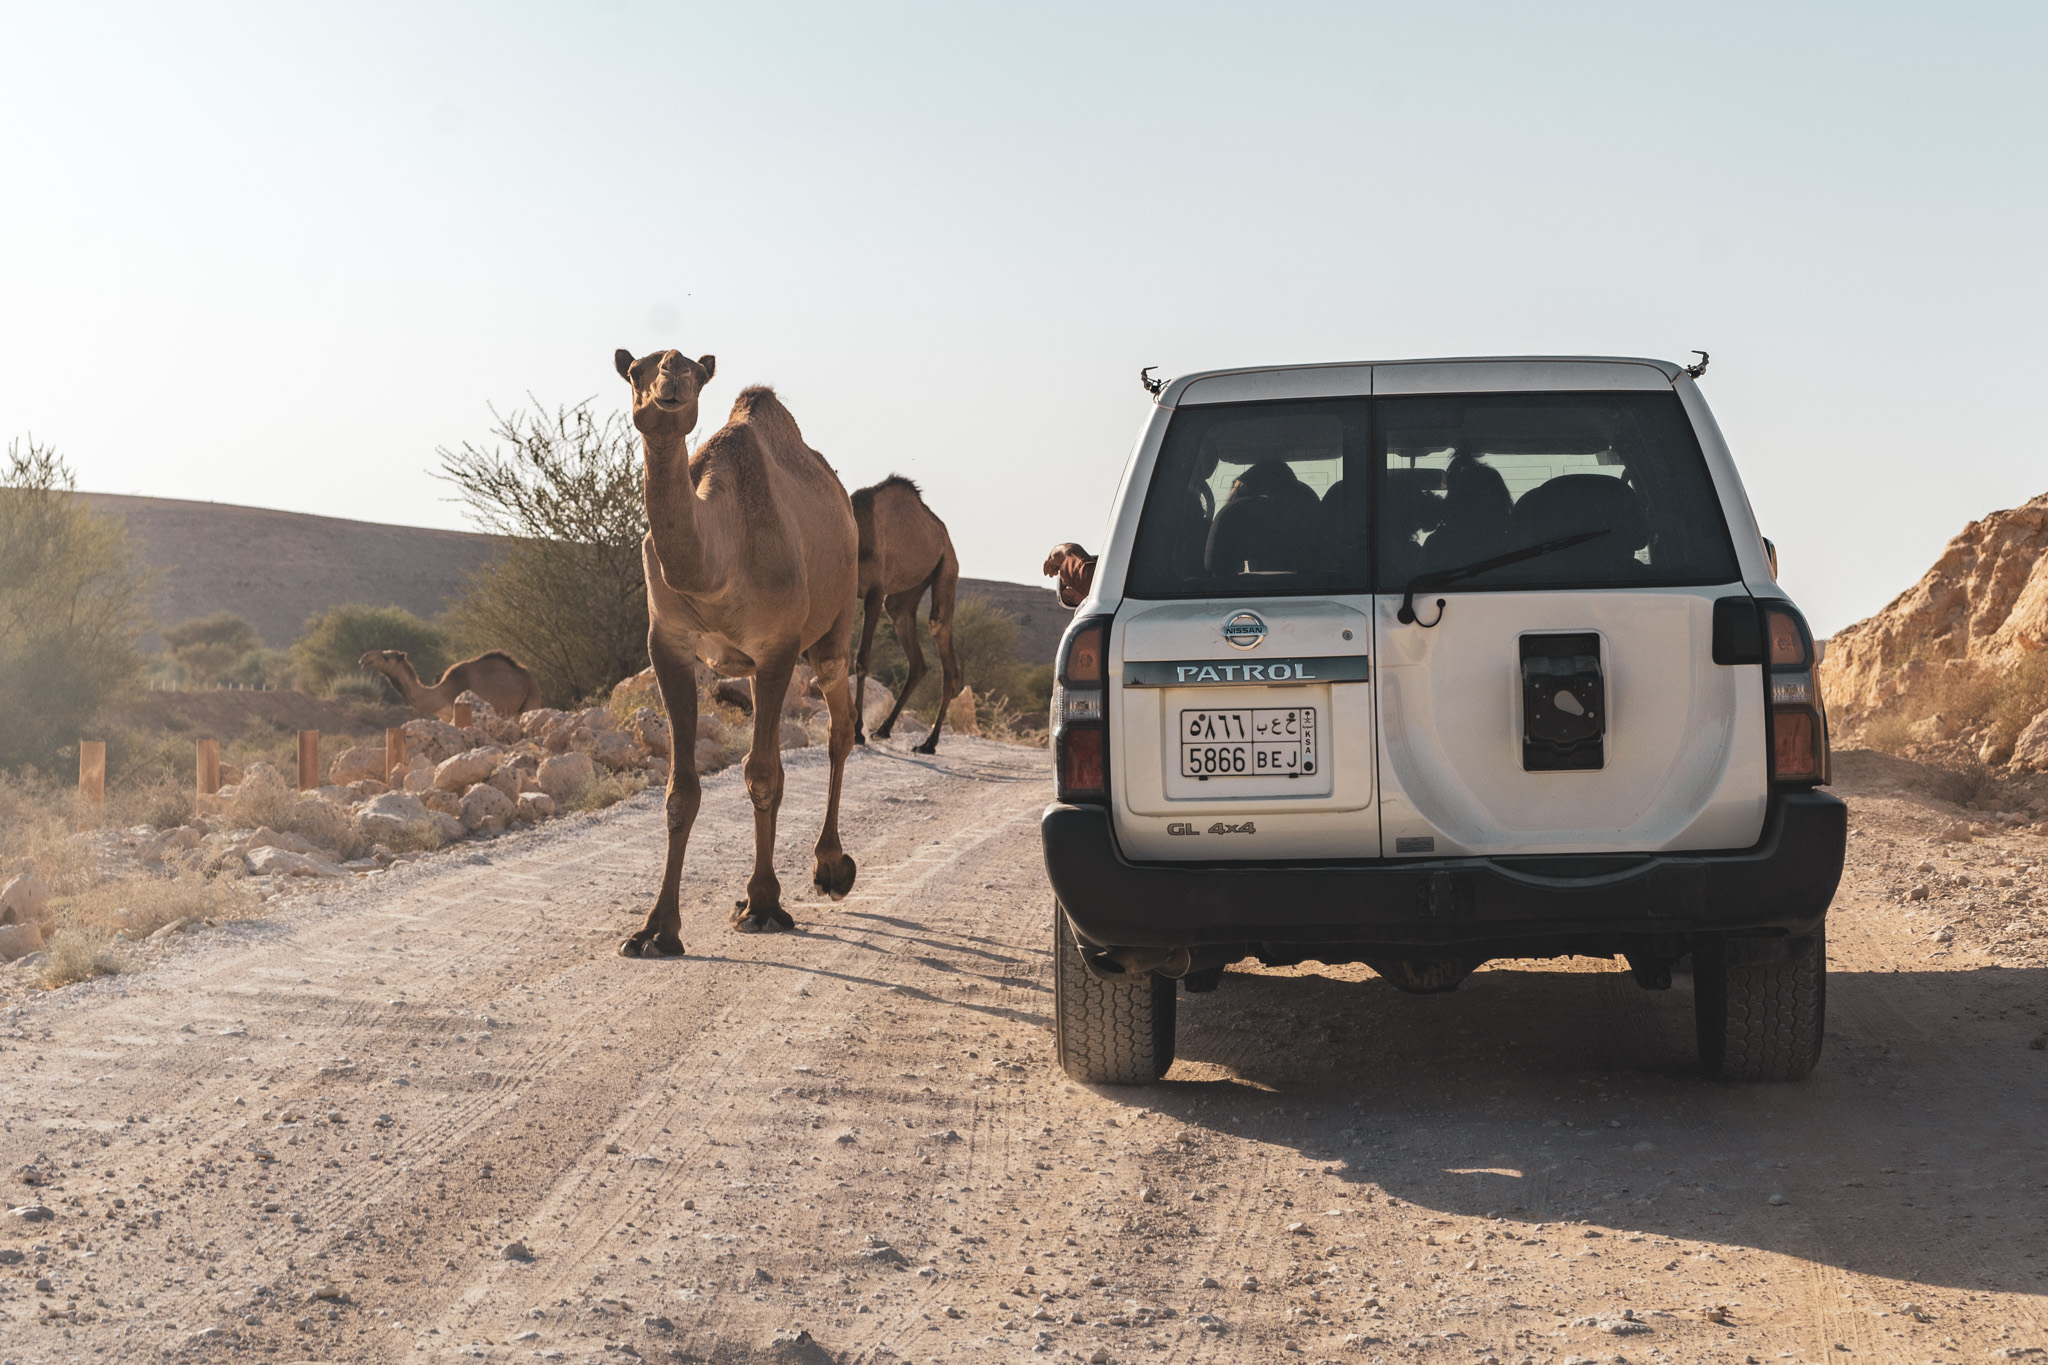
(1428, 662)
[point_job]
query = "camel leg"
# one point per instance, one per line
(945, 584)
(762, 910)
(870, 616)
(903, 616)
(835, 870)
(676, 672)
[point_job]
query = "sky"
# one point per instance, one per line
(276, 255)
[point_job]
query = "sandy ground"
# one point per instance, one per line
(312, 1137)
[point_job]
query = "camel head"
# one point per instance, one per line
(389, 662)
(665, 388)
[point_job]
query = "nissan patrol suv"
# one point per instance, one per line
(1423, 663)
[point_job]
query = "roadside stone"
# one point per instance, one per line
(282, 862)
(465, 770)
(419, 780)
(2030, 750)
(266, 837)
(26, 897)
(20, 940)
(652, 733)
(31, 1213)
(536, 806)
(384, 816)
(506, 780)
(615, 750)
(515, 1251)
(561, 775)
(485, 809)
(356, 764)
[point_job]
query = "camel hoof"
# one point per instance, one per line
(767, 922)
(883, 733)
(653, 945)
(930, 746)
(835, 881)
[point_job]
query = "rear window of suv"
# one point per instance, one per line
(1278, 498)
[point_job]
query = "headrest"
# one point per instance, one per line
(1573, 503)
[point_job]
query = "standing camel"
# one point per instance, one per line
(495, 676)
(750, 554)
(905, 550)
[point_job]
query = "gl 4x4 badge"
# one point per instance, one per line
(1244, 630)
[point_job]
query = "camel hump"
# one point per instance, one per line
(865, 497)
(496, 656)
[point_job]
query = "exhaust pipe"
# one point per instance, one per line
(1108, 964)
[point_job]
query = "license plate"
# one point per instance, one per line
(1251, 742)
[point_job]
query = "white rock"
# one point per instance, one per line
(465, 770)
(561, 775)
(615, 750)
(26, 897)
(19, 940)
(2030, 750)
(272, 861)
(419, 780)
(266, 837)
(353, 765)
(652, 733)
(536, 806)
(506, 780)
(485, 809)
(383, 816)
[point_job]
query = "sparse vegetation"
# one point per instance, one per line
(606, 789)
(71, 609)
(326, 652)
(565, 592)
(207, 651)
(1010, 697)
(1978, 708)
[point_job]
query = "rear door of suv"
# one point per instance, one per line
(1241, 688)
(1550, 548)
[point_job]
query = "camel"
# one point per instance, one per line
(494, 675)
(1074, 567)
(904, 550)
(750, 555)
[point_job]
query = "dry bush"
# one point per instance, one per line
(419, 836)
(288, 812)
(139, 906)
(606, 789)
(1991, 704)
(74, 955)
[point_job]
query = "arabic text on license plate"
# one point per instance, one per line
(1249, 742)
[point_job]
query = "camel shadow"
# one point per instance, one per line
(1548, 1096)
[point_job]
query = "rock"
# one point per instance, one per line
(536, 806)
(326, 1293)
(641, 688)
(515, 1251)
(710, 755)
(615, 750)
(1777, 1201)
(562, 775)
(230, 775)
(282, 862)
(25, 898)
(594, 719)
(465, 770)
(262, 775)
(2030, 750)
(876, 702)
(433, 740)
(651, 732)
(19, 940)
(506, 780)
(419, 780)
(353, 765)
(1918, 893)
(31, 1213)
(1957, 833)
(882, 1253)
(960, 715)
(1210, 1282)
(386, 815)
(447, 803)
(657, 771)
(171, 930)
(451, 827)
(266, 837)
(485, 809)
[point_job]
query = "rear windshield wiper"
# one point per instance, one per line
(1443, 578)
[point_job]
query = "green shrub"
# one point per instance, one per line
(984, 640)
(71, 610)
(565, 592)
(333, 641)
(209, 650)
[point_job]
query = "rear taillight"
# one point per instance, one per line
(1080, 740)
(1799, 723)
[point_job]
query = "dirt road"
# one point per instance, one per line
(313, 1137)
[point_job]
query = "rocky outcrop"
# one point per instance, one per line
(1983, 606)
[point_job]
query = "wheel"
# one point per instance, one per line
(1115, 1032)
(1760, 1005)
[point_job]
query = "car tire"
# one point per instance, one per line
(1117, 1031)
(1760, 1005)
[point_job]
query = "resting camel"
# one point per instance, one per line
(750, 553)
(494, 675)
(905, 550)
(1074, 567)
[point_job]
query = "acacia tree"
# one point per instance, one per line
(71, 608)
(564, 592)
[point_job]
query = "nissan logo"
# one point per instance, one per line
(1244, 630)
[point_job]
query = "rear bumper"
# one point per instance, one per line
(1782, 885)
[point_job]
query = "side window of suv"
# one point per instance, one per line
(1615, 481)
(1256, 499)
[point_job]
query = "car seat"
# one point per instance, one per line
(1572, 503)
(1270, 523)
(1477, 508)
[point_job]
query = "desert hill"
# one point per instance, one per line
(275, 569)
(1965, 640)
